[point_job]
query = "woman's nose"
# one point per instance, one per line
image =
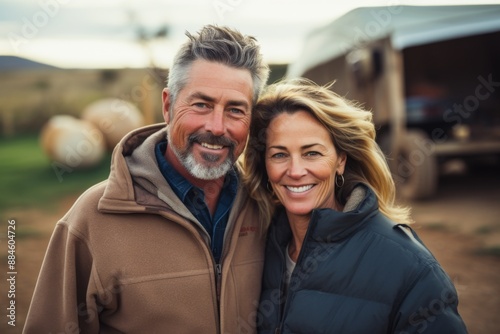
(296, 168)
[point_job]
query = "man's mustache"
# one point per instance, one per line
(211, 139)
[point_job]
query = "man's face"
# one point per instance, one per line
(210, 118)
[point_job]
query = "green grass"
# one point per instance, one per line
(28, 179)
(26, 232)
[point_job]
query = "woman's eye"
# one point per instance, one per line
(278, 155)
(313, 154)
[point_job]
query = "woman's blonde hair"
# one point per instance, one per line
(352, 132)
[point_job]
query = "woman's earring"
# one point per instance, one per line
(339, 180)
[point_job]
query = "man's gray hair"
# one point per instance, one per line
(221, 45)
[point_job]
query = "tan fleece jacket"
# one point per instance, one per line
(129, 257)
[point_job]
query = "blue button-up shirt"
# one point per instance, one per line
(194, 199)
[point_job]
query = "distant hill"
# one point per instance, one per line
(14, 63)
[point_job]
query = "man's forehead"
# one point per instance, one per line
(215, 73)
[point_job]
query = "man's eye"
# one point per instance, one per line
(236, 111)
(200, 105)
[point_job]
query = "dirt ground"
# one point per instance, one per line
(460, 225)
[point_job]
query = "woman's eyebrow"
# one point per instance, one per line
(280, 147)
(312, 145)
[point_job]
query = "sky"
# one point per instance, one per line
(104, 33)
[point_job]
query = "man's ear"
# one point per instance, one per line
(165, 97)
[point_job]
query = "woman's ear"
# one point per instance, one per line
(342, 159)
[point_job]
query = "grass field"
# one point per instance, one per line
(28, 180)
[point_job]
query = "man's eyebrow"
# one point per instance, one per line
(200, 95)
(238, 103)
(204, 97)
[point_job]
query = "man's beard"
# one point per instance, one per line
(197, 169)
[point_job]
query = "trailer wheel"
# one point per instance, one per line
(417, 171)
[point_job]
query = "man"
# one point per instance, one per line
(169, 243)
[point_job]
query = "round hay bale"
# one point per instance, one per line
(72, 142)
(114, 117)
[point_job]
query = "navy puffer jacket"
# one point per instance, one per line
(357, 272)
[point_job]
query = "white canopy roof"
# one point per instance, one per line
(405, 26)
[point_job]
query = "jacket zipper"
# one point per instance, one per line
(218, 280)
(232, 221)
(277, 330)
(283, 258)
(226, 245)
(217, 266)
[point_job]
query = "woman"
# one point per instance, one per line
(340, 257)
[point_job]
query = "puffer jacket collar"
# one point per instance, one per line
(328, 225)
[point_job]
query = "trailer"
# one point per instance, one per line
(429, 74)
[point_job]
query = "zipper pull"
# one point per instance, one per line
(218, 279)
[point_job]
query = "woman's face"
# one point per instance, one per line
(301, 163)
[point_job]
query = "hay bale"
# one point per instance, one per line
(114, 117)
(72, 142)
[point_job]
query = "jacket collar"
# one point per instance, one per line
(119, 194)
(135, 176)
(328, 225)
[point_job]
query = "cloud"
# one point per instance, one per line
(36, 27)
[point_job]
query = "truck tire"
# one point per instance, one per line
(417, 170)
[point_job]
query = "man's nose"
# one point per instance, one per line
(215, 122)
